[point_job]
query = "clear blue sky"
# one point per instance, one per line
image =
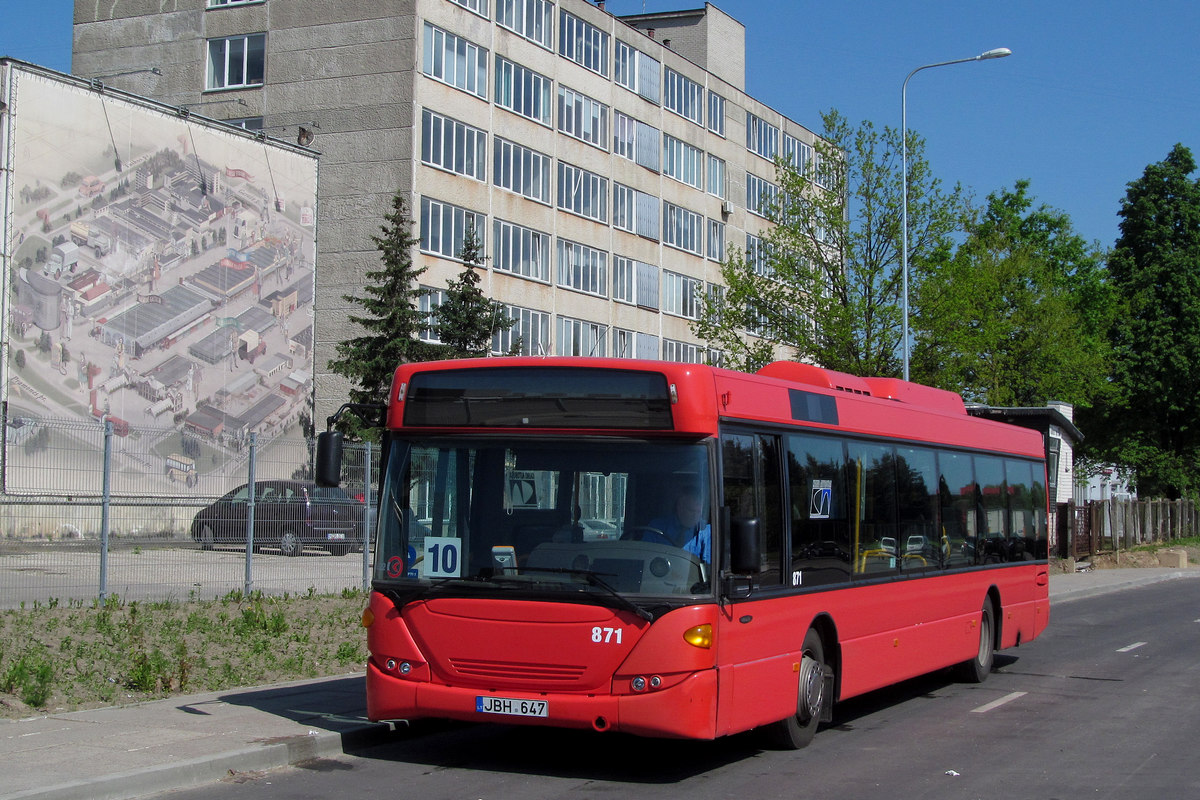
(1094, 91)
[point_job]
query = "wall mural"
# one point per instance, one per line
(159, 274)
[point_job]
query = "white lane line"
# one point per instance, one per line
(1129, 647)
(1008, 698)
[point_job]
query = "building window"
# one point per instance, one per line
(683, 162)
(583, 43)
(531, 328)
(716, 113)
(577, 337)
(237, 61)
(797, 153)
(716, 176)
(443, 227)
(582, 117)
(761, 137)
(634, 211)
(637, 71)
(428, 302)
(762, 196)
(456, 61)
(716, 240)
(523, 91)
(220, 3)
(635, 282)
(521, 251)
(582, 268)
(682, 228)
(757, 256)
(682, 352)
(684, 96)
(681, 295)
(521, 170)
(529, 18)
(480, 7)
(582, 192)
(635, 140)
(453, 145)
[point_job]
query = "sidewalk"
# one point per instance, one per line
(152, 747)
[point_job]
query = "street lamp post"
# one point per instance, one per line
(999, 52)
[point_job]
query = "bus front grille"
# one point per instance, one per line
(517, 671)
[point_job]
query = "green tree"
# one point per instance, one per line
(825, 286)
(1012, 318)
(391, 321)
(467, 319)
(1148, 423)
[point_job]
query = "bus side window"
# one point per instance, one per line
(871, 479)
(750, 464)
(820, 526)
(957, 490)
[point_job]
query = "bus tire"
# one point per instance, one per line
(976, 670)
(798, 730)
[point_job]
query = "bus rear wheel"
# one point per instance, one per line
(976, 670)
(798, 730)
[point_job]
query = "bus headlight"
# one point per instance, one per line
(700, 636)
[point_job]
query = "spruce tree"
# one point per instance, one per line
(467, 319)
(391, 320)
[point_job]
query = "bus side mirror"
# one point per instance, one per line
(329, 458)
(745, 545)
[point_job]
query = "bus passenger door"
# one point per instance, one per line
(754, 662)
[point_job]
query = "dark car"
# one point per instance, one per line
(289, 515)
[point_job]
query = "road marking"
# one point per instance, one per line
(1008, 698)
(1129, 647)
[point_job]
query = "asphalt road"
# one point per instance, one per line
(1103, 705)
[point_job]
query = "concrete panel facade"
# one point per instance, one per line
(352, 72)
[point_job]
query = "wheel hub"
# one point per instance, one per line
(812, 688)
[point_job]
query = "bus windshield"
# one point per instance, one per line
(554, 515)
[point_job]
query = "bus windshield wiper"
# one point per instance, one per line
(401, 597)
(594, 579)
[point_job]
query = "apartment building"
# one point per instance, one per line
(607, 163)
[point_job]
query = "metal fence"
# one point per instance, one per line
(89, 510)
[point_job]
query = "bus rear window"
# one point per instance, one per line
(538, 397)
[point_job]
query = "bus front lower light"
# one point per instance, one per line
(638, 684)
(700, 636)
(405, 668)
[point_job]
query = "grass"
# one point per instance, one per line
(56, 657)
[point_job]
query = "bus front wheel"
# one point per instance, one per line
(976, 670)
(816, 675)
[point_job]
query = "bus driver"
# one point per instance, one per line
(684, 527)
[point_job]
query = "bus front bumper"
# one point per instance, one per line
(686, 710)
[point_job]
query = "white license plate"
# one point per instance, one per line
(335, 537)
(512, 706)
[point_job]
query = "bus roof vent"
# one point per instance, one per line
(816, 376)
(916, 394)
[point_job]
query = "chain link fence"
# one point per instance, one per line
(92, 510)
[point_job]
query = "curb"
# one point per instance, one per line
(1085, 592)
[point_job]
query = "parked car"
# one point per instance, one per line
(289, 515)
(599, 529)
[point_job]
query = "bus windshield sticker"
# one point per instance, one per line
(822, 494)
(443, 557)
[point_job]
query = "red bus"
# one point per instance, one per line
(777, 542)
